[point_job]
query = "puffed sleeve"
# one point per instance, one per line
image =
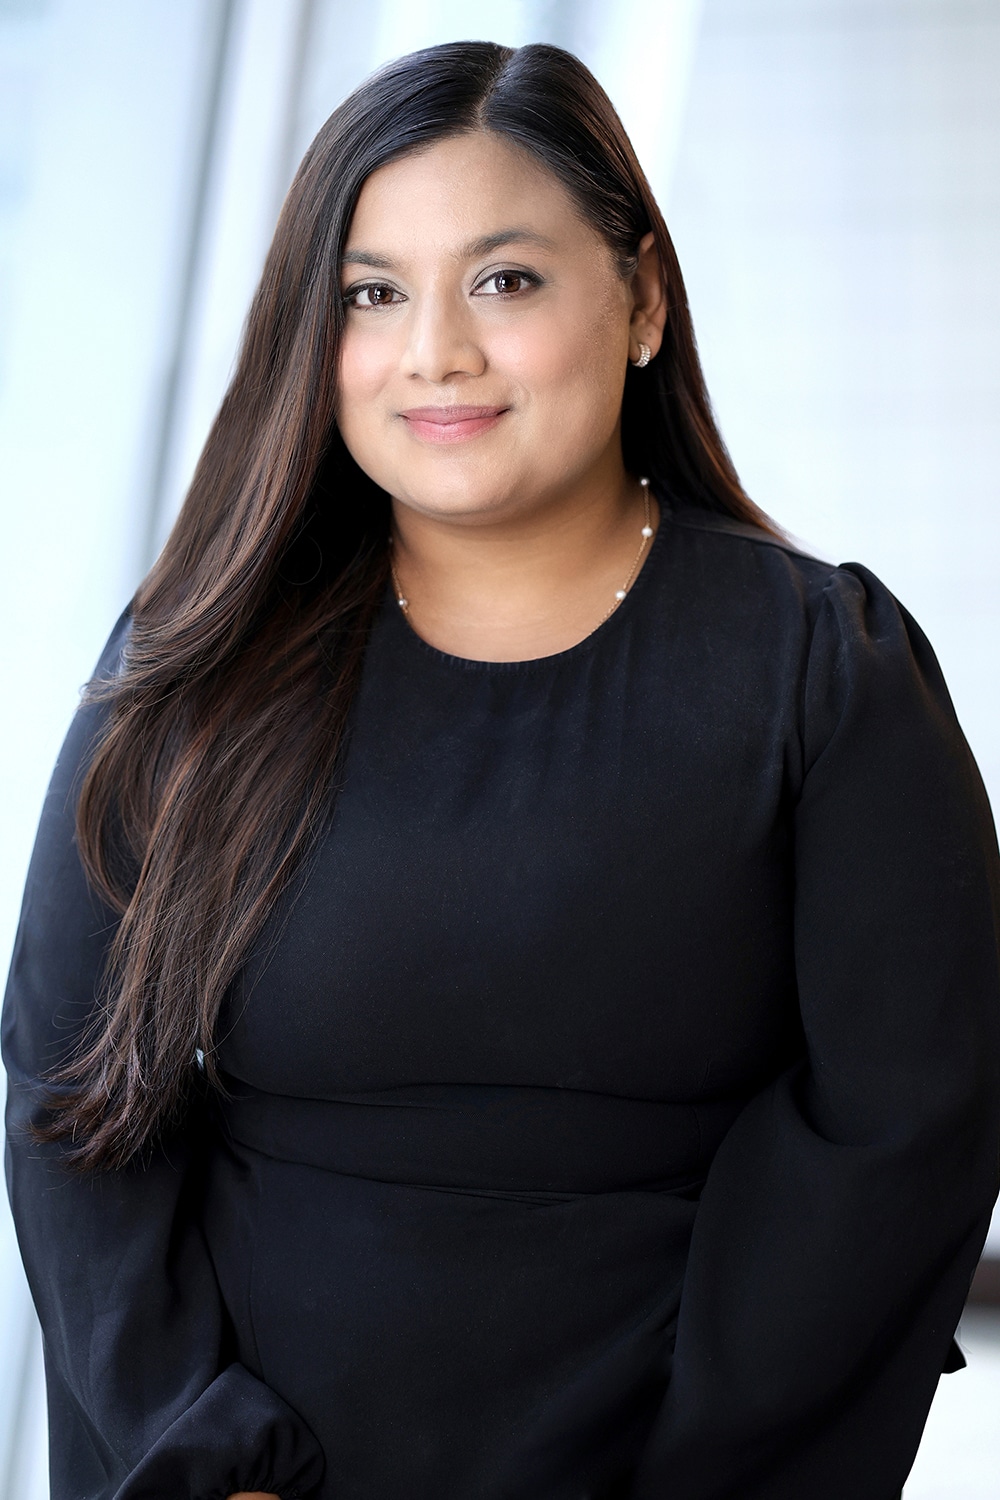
(145, 1400)
(844, 1213)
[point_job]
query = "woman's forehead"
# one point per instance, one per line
(466, 195)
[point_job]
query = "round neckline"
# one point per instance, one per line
(553, 658)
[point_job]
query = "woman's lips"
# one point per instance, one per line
(450, 424)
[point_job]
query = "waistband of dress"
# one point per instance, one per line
(502, 1137)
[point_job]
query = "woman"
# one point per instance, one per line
(517, 1015)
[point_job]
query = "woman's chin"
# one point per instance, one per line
(452, 496)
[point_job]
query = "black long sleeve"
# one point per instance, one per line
(145, 1399)
(845, 1211)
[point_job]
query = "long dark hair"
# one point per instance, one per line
(226, 721)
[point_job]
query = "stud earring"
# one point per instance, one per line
(645, 354)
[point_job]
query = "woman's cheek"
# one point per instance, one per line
(366, 363)
(569, 353)
(362, 377)
(576, 390)
(539, 355)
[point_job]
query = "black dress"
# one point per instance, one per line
(615, 1107)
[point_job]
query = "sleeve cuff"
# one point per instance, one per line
(238, 1435)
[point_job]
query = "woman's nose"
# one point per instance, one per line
(442, 340)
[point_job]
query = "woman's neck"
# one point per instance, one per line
(510, 587)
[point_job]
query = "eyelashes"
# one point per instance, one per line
(527, 277)
(508, 283)
(374, 291)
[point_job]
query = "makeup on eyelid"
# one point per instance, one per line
(530, 278)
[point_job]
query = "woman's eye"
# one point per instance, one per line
(372, 295)
(506, 283)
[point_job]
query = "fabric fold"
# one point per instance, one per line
(264, 1438)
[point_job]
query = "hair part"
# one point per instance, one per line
(227, 722)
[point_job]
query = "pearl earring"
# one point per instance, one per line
(645, 354)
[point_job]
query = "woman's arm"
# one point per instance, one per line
(145, 1398)
(846, 1209)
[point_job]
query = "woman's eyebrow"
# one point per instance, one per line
(367, 258)
(488, 242)
(481, 246)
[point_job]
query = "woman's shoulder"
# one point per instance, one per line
(110, 661)
(744, 568)
(91, 717)
(744, 546)
(824, 649)
(777, 613)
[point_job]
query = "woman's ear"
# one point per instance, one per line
(649, 301)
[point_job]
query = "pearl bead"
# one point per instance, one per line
(647, 531)
(619, 593)
(402, 602)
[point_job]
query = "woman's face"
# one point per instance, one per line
(477, 293)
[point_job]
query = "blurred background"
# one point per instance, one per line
(830, 170)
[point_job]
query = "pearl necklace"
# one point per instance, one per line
(646, 533)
